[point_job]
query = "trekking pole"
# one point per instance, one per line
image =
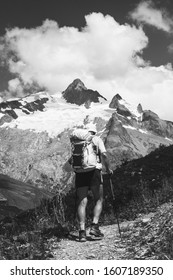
(116, 214)
(75, 206)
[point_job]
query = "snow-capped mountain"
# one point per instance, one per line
(34, 133)
(77, 93)
(53, 113)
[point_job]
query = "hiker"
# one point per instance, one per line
(91, 179)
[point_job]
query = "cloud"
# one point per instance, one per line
(53, 56)
(104, 54)
(153, 87)
(147, 13)
(14, 84)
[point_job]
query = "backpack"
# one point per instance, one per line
(84, 153)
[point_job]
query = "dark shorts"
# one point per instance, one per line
(86, 181)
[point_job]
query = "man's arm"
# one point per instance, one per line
(106, 162)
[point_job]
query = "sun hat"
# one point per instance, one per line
(91, 127)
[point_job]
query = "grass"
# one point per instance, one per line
(30, 234)
(151, 238)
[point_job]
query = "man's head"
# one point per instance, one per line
(91, 128)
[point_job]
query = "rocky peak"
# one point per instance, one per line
(157, 126)
(118, 96)
(139, 108)
(115, 101)
(121, 109)
(77, 85)
(149, 115)
(77, 93)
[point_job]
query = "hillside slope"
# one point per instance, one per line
(143, 184)
(16, 196)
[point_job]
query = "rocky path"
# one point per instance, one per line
(110, 247)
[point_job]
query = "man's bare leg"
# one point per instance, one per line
(97, 211)
(82, 213)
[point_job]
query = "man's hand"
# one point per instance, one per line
(106, 163)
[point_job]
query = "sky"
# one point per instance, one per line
(113, 46)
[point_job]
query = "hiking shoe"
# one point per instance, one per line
(82, 235)
(95, 231)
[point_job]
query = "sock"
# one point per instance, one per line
(82, 226)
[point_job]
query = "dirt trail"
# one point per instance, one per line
(110, 247)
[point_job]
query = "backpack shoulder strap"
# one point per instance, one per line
(98, 154)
